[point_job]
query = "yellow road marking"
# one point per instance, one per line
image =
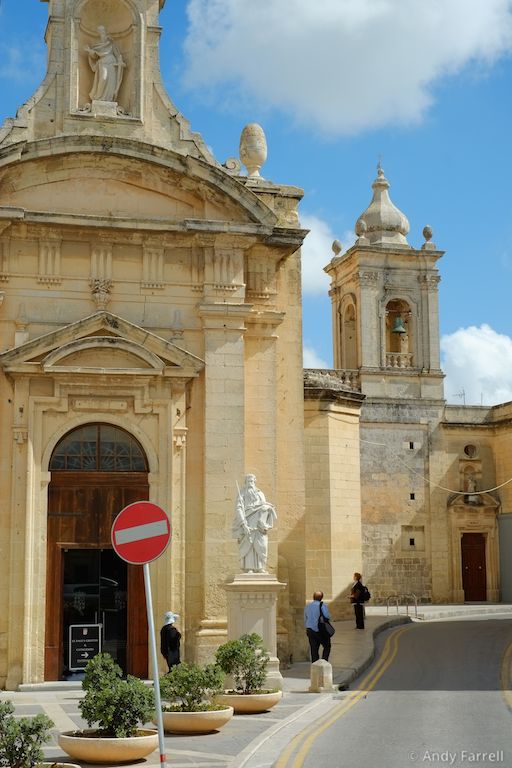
(506, 676)
(307, 737)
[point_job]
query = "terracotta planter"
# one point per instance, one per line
(99, 749)
(250, 703)
(196, 722)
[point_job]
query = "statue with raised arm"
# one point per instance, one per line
(107, 64)
(254, 517)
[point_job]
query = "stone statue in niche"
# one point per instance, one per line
(470, 483)
(254, 517)
(108, 66)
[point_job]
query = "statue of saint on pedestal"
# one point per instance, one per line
(108, 66)
(254, 517)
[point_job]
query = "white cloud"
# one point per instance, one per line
(340, 65)
(312, 360)
(316, 254)
(478, 362)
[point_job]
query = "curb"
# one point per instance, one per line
(345, 675)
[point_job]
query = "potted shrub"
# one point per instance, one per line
(190, 705)
(22, 738)
(118, 707)
(245, 660)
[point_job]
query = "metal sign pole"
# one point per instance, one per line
(154, 661)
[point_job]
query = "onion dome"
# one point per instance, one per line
(382, 223)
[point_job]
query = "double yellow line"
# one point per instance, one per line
(297, 750)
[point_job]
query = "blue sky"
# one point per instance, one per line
(336, 84)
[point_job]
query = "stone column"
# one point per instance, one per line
(223, 461)
(252, 600)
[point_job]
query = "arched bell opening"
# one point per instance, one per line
(349, 356)
(96, 470)
(399, 343)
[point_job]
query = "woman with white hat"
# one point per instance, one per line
(170, 640)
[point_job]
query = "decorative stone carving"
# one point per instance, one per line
(153, 268)
(108, 66)
(4, 266)
(21, 334)
(254, 517)
(233, 166)
(49, 262)
(369, 278)
(430, 282)
(253, 149)
(100, 288)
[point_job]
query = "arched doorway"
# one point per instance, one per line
(96, 470)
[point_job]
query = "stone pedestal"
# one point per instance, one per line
(104, 108)
(252, 599)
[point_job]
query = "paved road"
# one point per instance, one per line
(434, 696)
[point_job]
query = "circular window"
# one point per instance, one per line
(470, 451)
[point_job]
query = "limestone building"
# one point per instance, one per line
(435, 501)
(150, 348)
(150, 335)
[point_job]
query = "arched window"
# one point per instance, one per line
(98, 448)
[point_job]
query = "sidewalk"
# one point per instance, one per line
(251, 741)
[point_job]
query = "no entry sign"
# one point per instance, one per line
(141, 532)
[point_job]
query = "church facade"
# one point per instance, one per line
(150, 348)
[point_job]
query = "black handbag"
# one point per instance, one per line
(324, 625)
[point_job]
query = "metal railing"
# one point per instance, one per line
(407, 600)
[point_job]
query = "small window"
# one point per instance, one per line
(411, 446)
(470, 450)
(412, 496)
(411, 542)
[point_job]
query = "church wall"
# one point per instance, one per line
(333, 496)
(396, 500)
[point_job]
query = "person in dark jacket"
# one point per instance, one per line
(170, 640)
(356, 597)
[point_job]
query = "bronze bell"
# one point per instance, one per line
(398, 325)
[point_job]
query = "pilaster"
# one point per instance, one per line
(223, 458)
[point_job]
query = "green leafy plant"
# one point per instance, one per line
(117, 706)
(192, 688)
(246, 660)
(21, 739)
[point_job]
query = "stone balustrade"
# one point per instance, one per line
(398, 360)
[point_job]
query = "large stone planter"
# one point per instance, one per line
(196, 722)
(99, 749)
(250, 703)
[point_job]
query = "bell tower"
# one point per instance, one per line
(385, 305)
(103, 77)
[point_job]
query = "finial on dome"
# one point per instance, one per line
(385, 224)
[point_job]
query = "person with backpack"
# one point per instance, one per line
(358, 596)
(316, 615)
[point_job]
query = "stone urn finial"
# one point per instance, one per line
(253, 149)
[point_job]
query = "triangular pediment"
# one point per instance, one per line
(102, 343)
(474, 500)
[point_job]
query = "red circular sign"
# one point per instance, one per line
(141, 532)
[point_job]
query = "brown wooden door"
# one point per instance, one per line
(81, 509)
(474, 581)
